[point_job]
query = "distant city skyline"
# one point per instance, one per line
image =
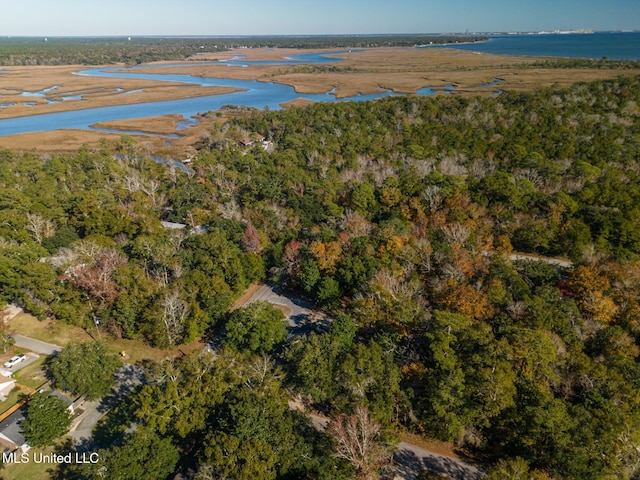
(309, 17)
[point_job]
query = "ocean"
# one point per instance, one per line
(612, 45)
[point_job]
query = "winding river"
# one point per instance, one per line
(252, 94)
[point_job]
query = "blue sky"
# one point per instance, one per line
(268, 17)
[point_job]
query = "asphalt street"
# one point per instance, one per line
(36, 345)
(128, 377)
(302, 317)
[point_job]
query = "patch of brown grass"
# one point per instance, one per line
(166, 124)
(95, 91)
(405, 70)
(48, 330)
(430, 444)
(298, 102)
(70, 141)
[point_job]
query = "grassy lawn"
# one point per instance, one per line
(32, 375)
(137, 350)
(62, 334)
(29, 471)
(11, 400)
(48, 330)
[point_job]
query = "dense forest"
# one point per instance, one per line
(137, 50)
(399, 218)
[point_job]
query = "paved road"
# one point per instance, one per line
(36, 345)
(27, 342)
(302, 318)
(128, 377)
(409, 460)
(550, 260)
(82, 426)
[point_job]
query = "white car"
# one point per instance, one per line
(16, 359)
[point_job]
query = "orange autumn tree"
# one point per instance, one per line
(327, 255)
(590, 287)
(464, 299)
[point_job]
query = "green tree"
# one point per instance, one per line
(363, 199)
(143, 454)
(47, 419)
(85, 369)
(468, 381)
(257, 327)
(313, 364)
(227, 456)
(180, 394)
(328, 294)
(514, 469)
(6, 339)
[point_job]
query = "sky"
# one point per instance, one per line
(308, 17)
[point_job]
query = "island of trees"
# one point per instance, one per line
(400, 218)
(137, 50)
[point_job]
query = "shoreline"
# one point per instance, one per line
(400, 69)
(449, 45)
(558, 45)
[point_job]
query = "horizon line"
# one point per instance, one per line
(311, 35)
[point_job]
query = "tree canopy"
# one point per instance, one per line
(46, 420)
(405, 219)
(257, 327)
(85, 369)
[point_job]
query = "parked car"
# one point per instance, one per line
(16, 359)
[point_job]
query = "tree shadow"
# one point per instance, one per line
(128, 378)
(63, 470)
(84, 445)
(409, 465)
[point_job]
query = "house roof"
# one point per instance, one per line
(61, 396)
(10, 429)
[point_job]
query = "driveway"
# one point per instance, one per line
(30, 357)
(300, 314)
(128, 377)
